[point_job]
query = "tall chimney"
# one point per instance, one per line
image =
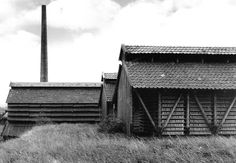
(44, 51)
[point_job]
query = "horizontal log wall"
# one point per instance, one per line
(89, 113)
(202, 112)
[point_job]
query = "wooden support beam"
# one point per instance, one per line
(187, 111)
(202, 111)
(214, 110)
(214, 128)
(227, 113)
(187, 117)
(172, 111)
(159, 110)
(145, 109)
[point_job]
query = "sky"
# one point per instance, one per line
(85, 36)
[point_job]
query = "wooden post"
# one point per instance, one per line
(172, 111)
(145, 109)
(159, 114)
(214, 127)
(187, 115)
(214, 110)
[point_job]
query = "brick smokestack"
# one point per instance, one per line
(44, 51)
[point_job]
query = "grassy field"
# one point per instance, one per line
(2, 110)
(82, 143)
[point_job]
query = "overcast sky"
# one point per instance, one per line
(84, 36)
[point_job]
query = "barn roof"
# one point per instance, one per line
(182, 75)
(49, 93)
(134, 49)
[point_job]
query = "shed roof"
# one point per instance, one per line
(54, 95)
(182, 75)
(134, 49)
(53, 84)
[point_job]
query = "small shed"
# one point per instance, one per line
(166, 90)
(108, 88)
(29, 104)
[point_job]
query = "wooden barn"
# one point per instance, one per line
(165, 90)
(34, 103)
(108, 88)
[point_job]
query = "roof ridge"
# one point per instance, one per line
(55, 84)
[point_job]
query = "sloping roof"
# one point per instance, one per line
(110, 76)
(182, 75)
(53, 95)
(53, 84)
(109, 89)
(15, 129)
(127, 49)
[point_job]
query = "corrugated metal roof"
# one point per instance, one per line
(182, 75)
(42, 95)
(16, 129)
(112, 76)
(53, 84)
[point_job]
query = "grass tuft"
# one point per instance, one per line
(83, 143)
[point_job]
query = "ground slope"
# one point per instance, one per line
(82, 143)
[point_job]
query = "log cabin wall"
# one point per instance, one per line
(124, 101)
(185, 112)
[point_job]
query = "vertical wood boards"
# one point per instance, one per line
(125, 101)
(103, 104)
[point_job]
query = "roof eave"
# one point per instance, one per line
(122, 52)
(182, 88)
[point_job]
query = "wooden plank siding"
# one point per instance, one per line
(193, 113)
(103, 104)
(198, 124)
(124, 104)
(60, 113)
(175, 126)
(223, 101)
(141, 123)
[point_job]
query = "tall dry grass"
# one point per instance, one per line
(82, 143)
